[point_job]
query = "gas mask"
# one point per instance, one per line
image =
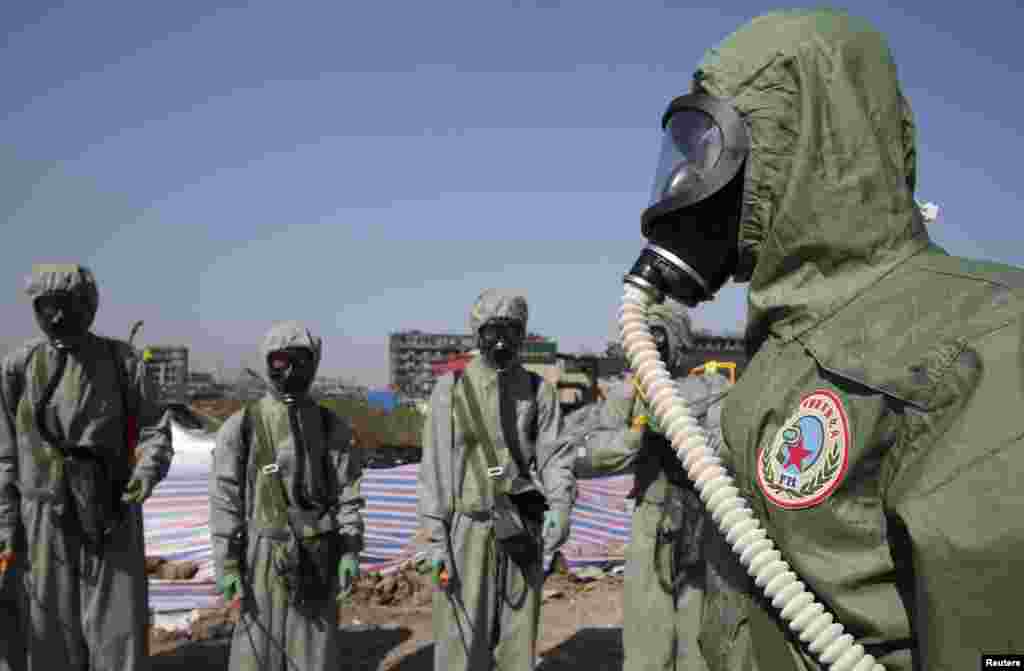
(692, 221)
(63, 317)
(661, 341)
(499, 341)
(291, 372)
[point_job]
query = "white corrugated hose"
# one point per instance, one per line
(733, 516)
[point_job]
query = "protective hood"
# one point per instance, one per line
(829, 194)
(676, 321)
(75, 279)
(71, 277)
(497, 303)
(283, 335)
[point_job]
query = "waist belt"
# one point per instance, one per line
(320, 523)
(475, 514)
(273, 534)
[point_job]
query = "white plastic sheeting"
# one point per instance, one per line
(191, 447)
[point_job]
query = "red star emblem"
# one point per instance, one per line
(797, 454)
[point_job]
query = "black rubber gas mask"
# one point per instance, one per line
(63, 317)
(500, 341)
(692, 222)
(664, 345)
(291, 371)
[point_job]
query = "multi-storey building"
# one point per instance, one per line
(411, 354)
(416, 358)
(167, 368)
(718, 347)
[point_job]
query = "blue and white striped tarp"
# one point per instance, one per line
(177, 523)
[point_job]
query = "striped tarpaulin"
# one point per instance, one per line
(177, 524)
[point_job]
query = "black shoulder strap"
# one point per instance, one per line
(246, 431)
(456, 375)
(326, 419)
(123, 378)
(535, 381)
(8, 418)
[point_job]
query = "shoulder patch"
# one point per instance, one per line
(808, 457)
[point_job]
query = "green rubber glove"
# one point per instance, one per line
(646, 411)
(556, 528)
(230, 585)
(137, 490)
(7, 561)
(348, 572)
(439, 573)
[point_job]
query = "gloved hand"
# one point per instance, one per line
(644, 416)
(556, 528)
(348, 572)
(439, 572)
(138, 490)
(7, 558)
(230, 585)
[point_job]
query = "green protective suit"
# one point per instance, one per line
(249, 519)
(454, 506)
(665, 572)
(876, 429)
(81, 608)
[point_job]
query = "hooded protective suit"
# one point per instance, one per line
(874, 429)
(85, 607)
(255, 515)
(664, 569)
(455, 502)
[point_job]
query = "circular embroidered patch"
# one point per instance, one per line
(808, 457)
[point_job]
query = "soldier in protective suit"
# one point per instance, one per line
(665, 574)
(490, 468)
(84, 446)
(876, 431)
(285, 515)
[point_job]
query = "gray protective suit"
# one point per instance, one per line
(665, 572)
(455, 505)
(250, 526)
(82, 608)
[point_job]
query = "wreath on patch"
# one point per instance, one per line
(833, 460)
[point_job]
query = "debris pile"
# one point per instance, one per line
(162, 569)
(409, 588)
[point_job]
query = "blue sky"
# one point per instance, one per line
(370, 167)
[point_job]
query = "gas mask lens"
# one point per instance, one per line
(692, 220)
(500, 341)
(53, 308)
(507, 333)
(291, 370)
(690, 149)
(59, 315)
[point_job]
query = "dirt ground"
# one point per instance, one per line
(386, 627)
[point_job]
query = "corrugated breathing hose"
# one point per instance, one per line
(732, 515)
